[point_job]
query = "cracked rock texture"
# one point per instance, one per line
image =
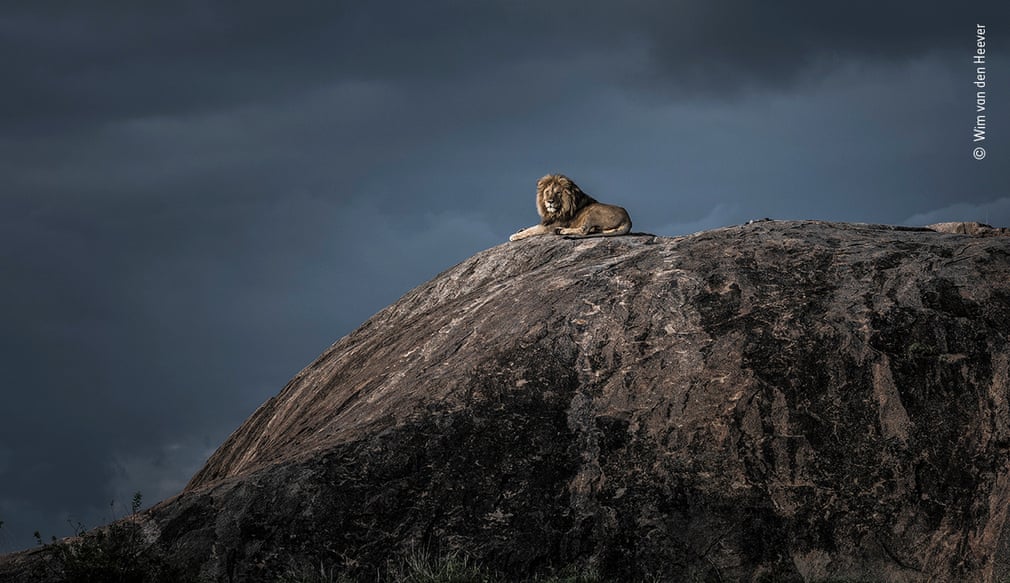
(780, 401)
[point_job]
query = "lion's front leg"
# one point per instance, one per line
(581, 231)
(529, 232)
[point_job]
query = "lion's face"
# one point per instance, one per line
(557, 197)
(552, 202)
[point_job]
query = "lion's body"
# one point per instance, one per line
(566, 210)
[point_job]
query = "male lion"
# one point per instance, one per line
(566, 210)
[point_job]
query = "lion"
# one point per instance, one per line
(566, 210)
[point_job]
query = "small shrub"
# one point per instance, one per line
(420, 567)
(116, 553)
(920, 351)
(305, 573)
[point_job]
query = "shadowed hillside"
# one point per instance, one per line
(781, 401)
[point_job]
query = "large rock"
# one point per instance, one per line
(778, 401)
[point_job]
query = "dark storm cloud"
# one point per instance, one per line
(71, 65)
(75, 64)
(719, 47)
(80, 64)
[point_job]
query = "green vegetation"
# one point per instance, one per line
(918, 350)
(302, 573)
(419, 566)
(117, 553)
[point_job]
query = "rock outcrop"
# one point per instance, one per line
(978, 229)
(780, 401)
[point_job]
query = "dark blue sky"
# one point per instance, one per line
(197, 198)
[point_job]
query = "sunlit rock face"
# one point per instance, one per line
(787, 400)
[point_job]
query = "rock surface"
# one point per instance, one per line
(780, 401)
(979, 229)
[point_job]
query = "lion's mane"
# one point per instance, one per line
(572, 198)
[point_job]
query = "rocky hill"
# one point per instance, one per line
(779, 401)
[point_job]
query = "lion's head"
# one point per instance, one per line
(558, 198)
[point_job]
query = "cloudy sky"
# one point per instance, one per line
(197, 198)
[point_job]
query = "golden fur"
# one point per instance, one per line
(566, 210)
